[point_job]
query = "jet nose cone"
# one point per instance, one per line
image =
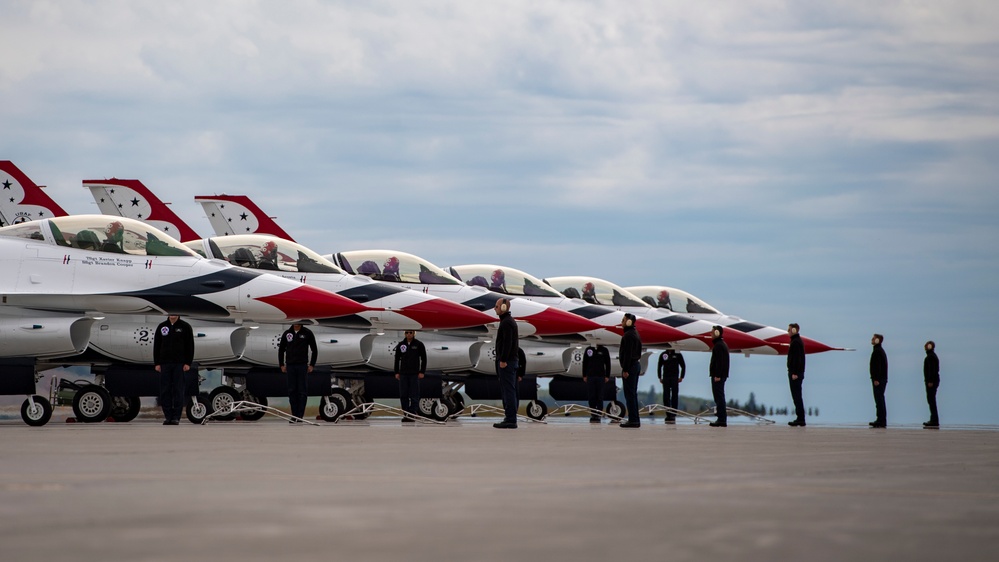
(441, 314)
(555, 322)
(310, 302)
(737, 340)
(654, 332)
(781, 343)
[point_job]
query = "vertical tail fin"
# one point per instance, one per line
(21, 200)
(132, 199)
(236, 214)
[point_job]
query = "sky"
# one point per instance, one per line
(833, 164)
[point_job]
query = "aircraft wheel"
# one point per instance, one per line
(440, 411)
(125, 408)
(426, 407)
(616, 409)
(330, 410)
(36, 415)
(221, 400)
(91, 404)
(256, 414)
(456, 404)
(537, 410)
(362, 399)
(197, 409)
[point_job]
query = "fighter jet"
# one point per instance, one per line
(671, 299)
(22, 200)
(601, 292)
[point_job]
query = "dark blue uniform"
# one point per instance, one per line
(293, 354)
(671, 370)
(879, 375)
(173, 348)
(931, 376)
(410, 363)
(629, 357)
(718, 369)
(796, 366)
(596, 368)
(507, 346)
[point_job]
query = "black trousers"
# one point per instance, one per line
(671, 394)
(409, 393)
(172, 390)
(630, 387)
(879, 401)
(931, 399)
(297, 388)
(508, 390)
(718, 392)
(595, 392)
(799, 404)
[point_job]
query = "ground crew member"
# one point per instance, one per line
(410, 367)
(173, 354)
(931, 376)
(629, 356)
(671, 370)
(718, 370)
(879, 380)
(507, 362)
(596, 371)
(796, 374)
(293, 357)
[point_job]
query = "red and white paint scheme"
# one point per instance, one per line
(516, 283)
(21, 200)
(676, 300)
(237, 214)
(601, 292)
(132, 199)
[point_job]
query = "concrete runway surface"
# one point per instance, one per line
(568, 490)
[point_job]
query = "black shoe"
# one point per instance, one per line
(931, 424)
(670, 421)
(594, 420)
(718, 424)
(505, 425)
(873, 423)
(408, 420)
(879, 424)
(630, 424)
(167, 422)
(796, 423)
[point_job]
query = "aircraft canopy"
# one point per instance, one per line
(505, 280)
(673, 299)
(261, 251)
(595, 291)
(394, 267)
(100, 233)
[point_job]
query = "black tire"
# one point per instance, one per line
(197, 411)
(92, 404)
(38, 415)
(220, 400)
(439, 411)
(537, 410)
(256, 414)
(330, 409)
(426, 407)
(456, 404)
(361, 399)
(616, 409)
(125, 408)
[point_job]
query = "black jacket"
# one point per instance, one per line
(879, 364)
(796, 357)
(931, 368)
(410, 357)
(173, 343)
(671, 367)
(719, 360)
(596, 362)
(506, 339)
(631, 349)
(294, 347)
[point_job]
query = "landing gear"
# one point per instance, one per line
(125, 408)
(537, 410)
(36, 411)
(616, 409)
(255, 414)
(197, 408)
(91, 404)
(455, 404)
(221, 400)
(433, 409)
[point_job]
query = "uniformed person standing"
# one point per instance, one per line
(507, 363)
(796, 374)
(596, 371)
(879, 380)
(410, 367)
(630, 356)
(173, 354)
(718, 370)
(293, 357)
(931, 376)
(671, 370)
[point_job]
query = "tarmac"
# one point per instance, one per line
(565, 490)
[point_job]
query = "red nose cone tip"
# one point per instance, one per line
(654, 332)
(554, 322)
(740, 340)
(440, 314)
(781, 343)
(310, 302)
